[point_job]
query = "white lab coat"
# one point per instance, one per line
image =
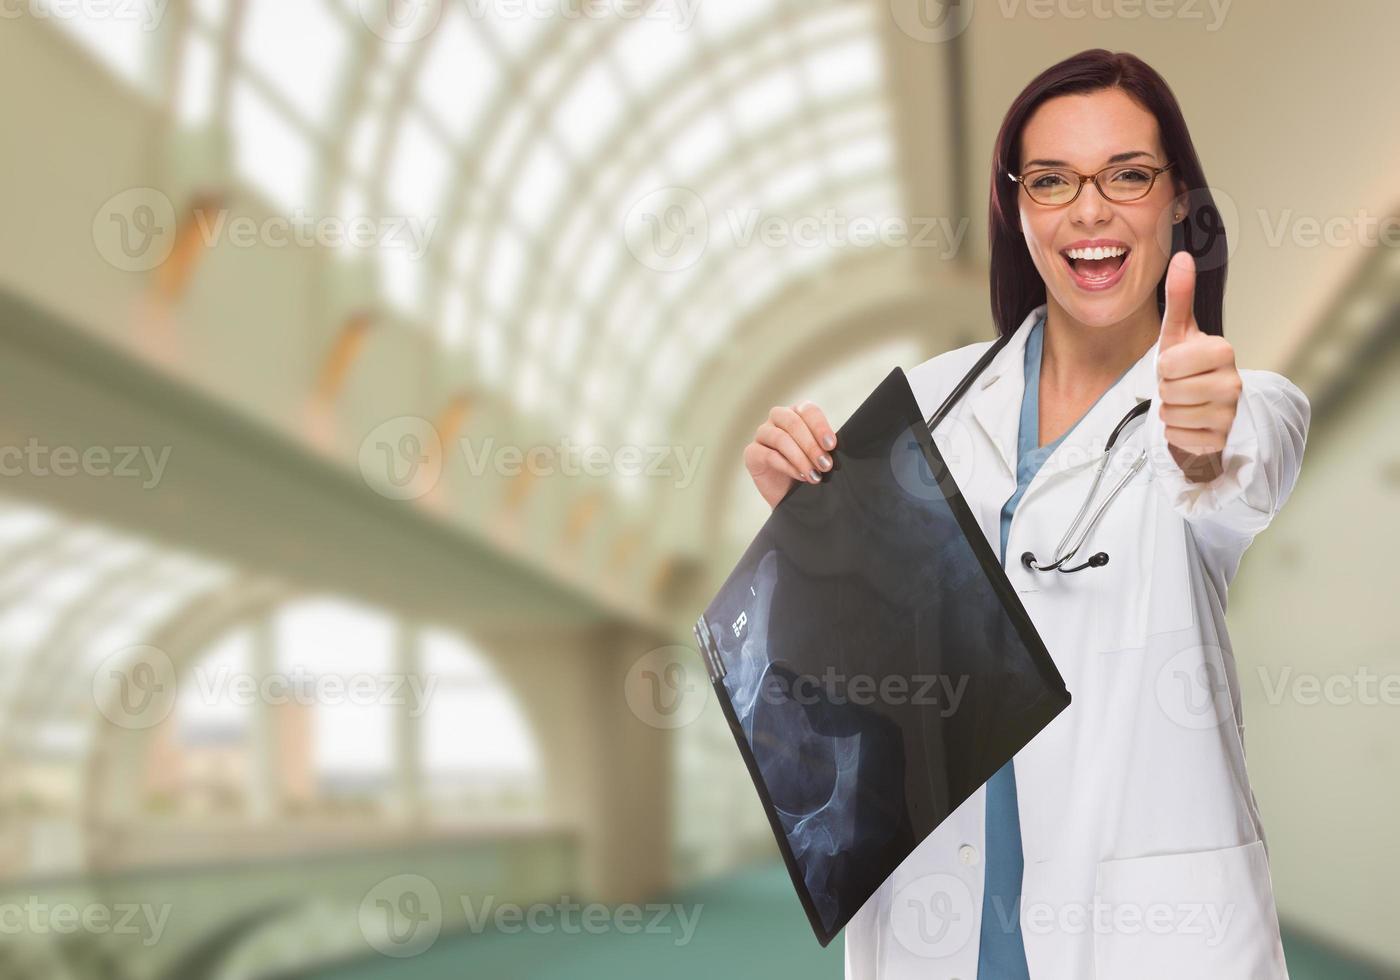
(1144, 852)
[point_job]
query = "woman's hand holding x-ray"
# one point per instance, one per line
(794, 443)
(1198, 384)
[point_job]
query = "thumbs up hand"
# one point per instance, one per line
(1198, 385)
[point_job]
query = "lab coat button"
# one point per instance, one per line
(967, 854)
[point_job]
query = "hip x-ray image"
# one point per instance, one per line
(873, 661)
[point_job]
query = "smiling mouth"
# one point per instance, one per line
(1096, 269)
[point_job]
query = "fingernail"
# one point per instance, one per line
(825, 462)
(815, 477)
(829, 441)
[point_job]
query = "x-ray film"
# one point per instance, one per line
(873, 661)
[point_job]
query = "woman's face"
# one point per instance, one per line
(1084, 132)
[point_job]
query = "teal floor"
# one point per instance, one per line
(750, 926)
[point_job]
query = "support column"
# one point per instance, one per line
(408, 727)
(627, 794)
(264, 782)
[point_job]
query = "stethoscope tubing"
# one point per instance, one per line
(1028, 559)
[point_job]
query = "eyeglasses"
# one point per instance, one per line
(1119, 183)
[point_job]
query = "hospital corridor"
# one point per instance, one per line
(375, 378)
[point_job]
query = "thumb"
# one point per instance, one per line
(1179, 321)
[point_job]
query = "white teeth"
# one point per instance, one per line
(1112, 251)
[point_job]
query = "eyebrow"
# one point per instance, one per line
(1116, 158)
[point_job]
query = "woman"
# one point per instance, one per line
(1124, 840)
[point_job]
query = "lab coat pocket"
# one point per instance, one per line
(1193, 914)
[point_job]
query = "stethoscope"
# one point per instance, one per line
(1064, 551)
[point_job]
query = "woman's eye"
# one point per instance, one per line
(1130, 176)
(1048, 180)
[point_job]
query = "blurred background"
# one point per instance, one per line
(374, 377)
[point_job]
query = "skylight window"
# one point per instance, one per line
(298, 48)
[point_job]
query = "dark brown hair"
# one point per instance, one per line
(1017, 287)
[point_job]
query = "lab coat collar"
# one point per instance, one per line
(996, 405)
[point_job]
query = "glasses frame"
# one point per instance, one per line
(1085, 178)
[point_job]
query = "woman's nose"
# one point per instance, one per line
(1090, 207)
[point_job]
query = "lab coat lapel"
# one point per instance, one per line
(997, 402)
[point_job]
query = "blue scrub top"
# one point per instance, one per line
(1002, 953)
